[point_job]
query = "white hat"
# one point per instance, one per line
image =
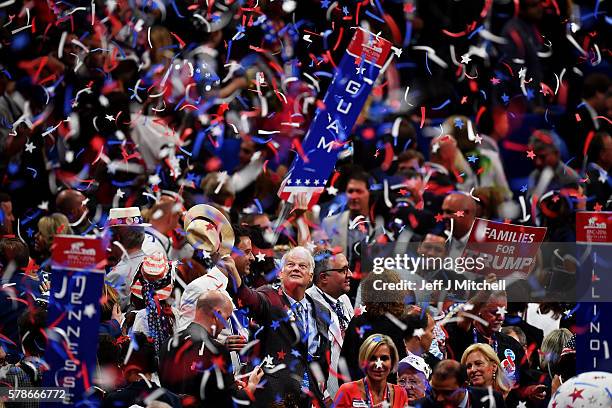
(208, 229)
(586, 390)
(416, 362)
(126, 217)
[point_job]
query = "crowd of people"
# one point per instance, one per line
(166, 129)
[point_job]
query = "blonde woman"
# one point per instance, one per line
(377, 358)
(484, 368)
(48, 227)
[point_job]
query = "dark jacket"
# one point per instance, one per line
(280, 346)
(193, 359)
(478, 398)
(16, 296)
(136, 393)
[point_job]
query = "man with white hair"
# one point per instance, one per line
(294, 336)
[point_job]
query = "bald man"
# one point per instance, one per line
(73, 204)
(461, 209)
(194, 357)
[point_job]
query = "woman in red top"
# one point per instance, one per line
(377, 356)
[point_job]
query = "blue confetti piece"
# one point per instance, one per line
(475, 32)
(374, 16)
(446, 102)
(427, 64)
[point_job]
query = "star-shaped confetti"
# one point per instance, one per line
(465, 59)
(472, 158)
(90, 310)
(531, 154)
(378, 363)
(501, 310)
(44, 206)
(505, 98)
(261, 257)
(268, 361)
(275, 324)
(439, 217)
(120, 193)
(30, 232)
(331, 190)
(324, 3)
(29, 147)
(523, 188)
(495, 81)
(598, 207)
(459, 213)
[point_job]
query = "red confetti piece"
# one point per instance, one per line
(604, 118)
(339, 38)
(479, 114)
(422, 117)
(181, 42)
(587, 142)
(298, 147)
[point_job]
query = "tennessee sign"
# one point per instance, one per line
(332, 125)
(74, 317)
(504, 248)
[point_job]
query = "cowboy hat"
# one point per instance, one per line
(126, 217)
(208, 229)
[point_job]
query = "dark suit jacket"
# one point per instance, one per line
(136, 393)
(596, 191)
(280, 344)
(194, 355)
(476, 396)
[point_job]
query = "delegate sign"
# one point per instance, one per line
(333, 122)
(74, 317)
(505, 248)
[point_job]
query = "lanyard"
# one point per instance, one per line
(494, 337)
(369, 396)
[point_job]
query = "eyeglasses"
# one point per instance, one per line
(344, 270)
(408, 383)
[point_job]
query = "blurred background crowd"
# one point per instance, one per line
(166, 128)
